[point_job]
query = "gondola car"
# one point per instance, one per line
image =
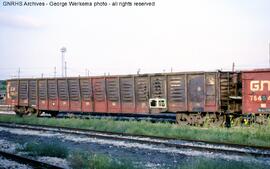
(193, 97)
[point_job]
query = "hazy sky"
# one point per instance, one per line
(182, 34)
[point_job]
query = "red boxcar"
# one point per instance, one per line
(256, 91)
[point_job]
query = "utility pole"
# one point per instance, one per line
(269, 52)
(19, 73)
(63, 51)
(138, 71)
(41, 75)
(65, 69)
(54, 72)
(87, 72)
(233, 67)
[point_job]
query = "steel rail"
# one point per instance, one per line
(171, 118)
(30, 162)
(152, 140)
(7, 124)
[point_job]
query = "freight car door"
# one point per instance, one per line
(157, 94)
(63, 95)
(33, 93)
(127, 94)
(195, 93)
(12, 92)
(142, 94)
(176, 93)
(52, 94)
(42, 95)
(23, 93)
(74, 95)
(99, 91)
(86, 95)
(210, 93)
(113, 95)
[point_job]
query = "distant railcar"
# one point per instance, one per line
(2, 91)
(192, 96)
(256, 91)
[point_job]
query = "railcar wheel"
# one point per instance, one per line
(236, 121)
(27, 112)
(31, 111)
(188, 119)
(17, 111)
(216, 121)
(181, 119)
(20, 111)
(219, 121)
(195, 119)
(178, 118)
(39, 113)
(199, 120)
(53, 114)
(261, 119)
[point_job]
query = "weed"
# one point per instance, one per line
(204, 163)
(250, 135)
(52, 149)
(83, 160)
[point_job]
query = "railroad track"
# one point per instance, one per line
(199, 145)
(30, 162)
(169, 118)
